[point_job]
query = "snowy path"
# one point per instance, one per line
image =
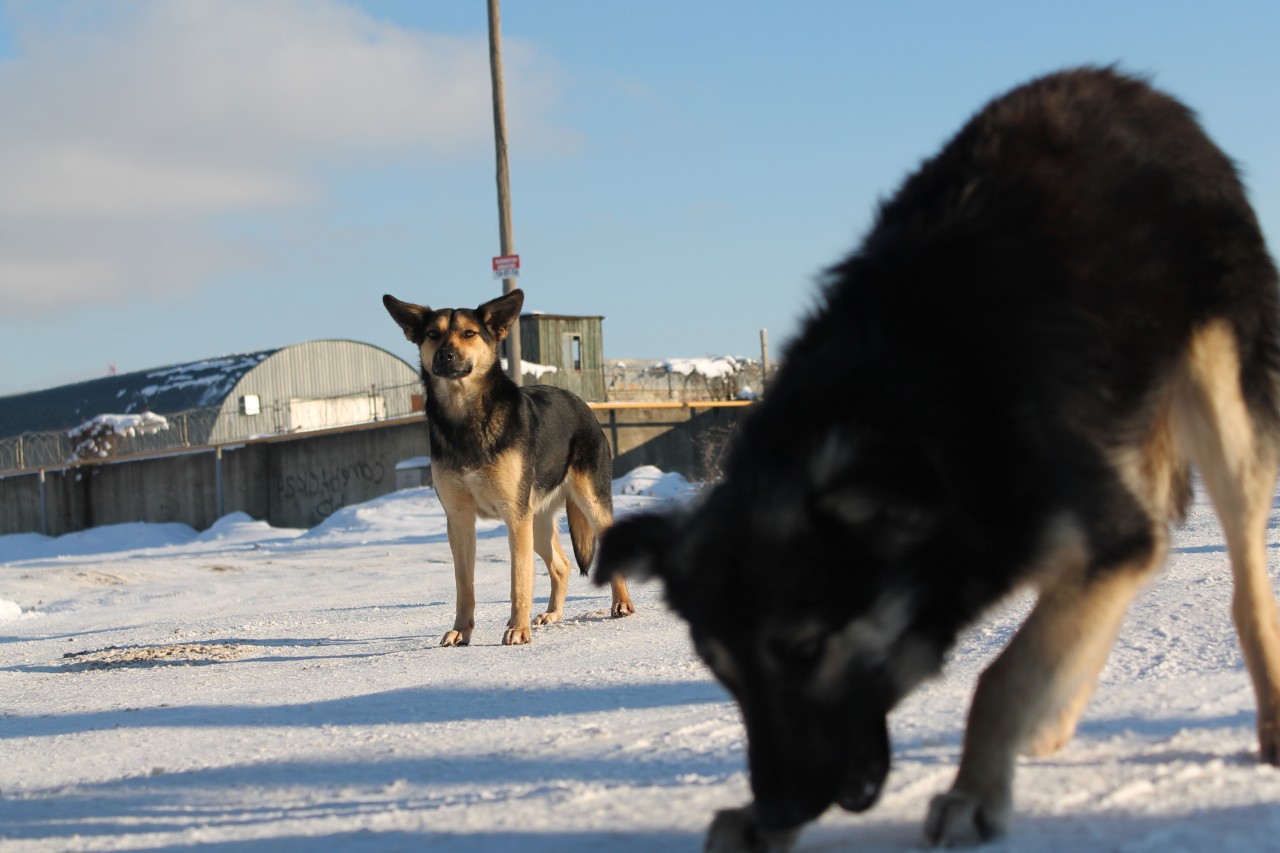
(260, 689)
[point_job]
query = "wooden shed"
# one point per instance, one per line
(574, 346)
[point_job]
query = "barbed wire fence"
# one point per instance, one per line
(684, 380)
(97, 439)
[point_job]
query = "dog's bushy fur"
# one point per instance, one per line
(519, 454)
(1008, 383)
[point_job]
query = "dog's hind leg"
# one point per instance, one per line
(1237, 458)
(590, 508)
(1048, 667)
(1244, 506)
(546, 544)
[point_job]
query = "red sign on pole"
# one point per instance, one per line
(506, 266)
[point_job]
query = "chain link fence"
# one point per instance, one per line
(690, 380)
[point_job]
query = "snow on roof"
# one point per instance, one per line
(164, 390)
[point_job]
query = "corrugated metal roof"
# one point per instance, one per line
(164, 390)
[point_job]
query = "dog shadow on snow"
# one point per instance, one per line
(348, 787)
(352, 786)
(426, 705)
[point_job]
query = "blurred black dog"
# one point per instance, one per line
(1049, 324)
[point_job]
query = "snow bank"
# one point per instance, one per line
(405, 516)
(108, 539)
(408, 515)
(9, 610)
(650, 482)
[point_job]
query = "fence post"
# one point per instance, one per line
(219, 501)
(613, 430)
(44, 506)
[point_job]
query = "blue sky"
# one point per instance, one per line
(181, 179)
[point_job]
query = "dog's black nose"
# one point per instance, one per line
(448, 363)
(445, 359)
(859, 798)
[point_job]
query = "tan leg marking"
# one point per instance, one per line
(1047, 669)
(1239, 473)
(460, 514)
(547, 546)
(520, 538)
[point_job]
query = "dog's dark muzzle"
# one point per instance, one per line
(448, 363)
(787, 813)
(781, 816)
(859, 796)
(833, 761)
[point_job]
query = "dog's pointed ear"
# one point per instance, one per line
(411, 318)
(498, 314)
(640, 547)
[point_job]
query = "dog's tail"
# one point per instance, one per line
(580, 532)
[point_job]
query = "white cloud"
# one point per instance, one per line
(128, 121)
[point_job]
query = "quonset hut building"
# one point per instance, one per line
(306, 386)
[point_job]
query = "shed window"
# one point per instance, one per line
(573, 352)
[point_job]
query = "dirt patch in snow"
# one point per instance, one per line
(176, 654)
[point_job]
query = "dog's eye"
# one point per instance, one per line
(470, 333)
(433, 334)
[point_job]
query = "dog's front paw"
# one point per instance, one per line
(516, 636)
(548, 618)
(622, 608)
(738, 831)
(960, 819)
(456, 638)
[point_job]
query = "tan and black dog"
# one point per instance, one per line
(511, 453)
(1008, 384)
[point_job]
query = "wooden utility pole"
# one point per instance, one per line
(764, 358)
(504, 181)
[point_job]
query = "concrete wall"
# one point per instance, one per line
(684, 439)
(307, 480)
(298, 481)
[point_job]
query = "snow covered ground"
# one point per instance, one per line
(252, 688)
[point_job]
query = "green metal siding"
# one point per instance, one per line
(316, 370)
(542, 341)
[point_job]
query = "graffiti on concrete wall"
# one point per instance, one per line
(328, 487)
